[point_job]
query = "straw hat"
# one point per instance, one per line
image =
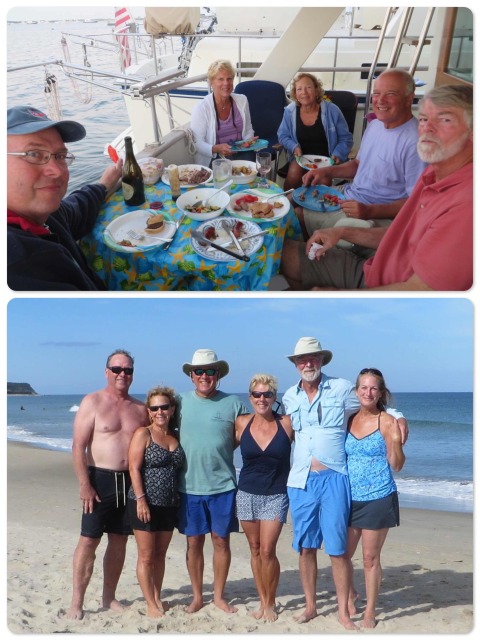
(206, 358)
(307, 346)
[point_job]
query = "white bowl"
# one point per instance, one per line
(221, 200)
(244, 178)
(152, 169)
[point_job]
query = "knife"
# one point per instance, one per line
(177, 224)
(201, 238)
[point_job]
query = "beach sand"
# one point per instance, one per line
(427, 580)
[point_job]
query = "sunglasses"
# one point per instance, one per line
(128, 371)
(259, 394)
(376, 372)
(155, 407)
(200, 372)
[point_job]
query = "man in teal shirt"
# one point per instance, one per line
(208, 480)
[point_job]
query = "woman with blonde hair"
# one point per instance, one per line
(221, 117)
(312, 125)
(265, 439)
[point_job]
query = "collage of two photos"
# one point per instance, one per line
(204, 441)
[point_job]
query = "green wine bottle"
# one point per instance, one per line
(132, 178)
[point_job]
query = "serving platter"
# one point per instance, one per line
(183, 169)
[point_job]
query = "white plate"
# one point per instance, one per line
(244, 178)
(187, 167)
(246, 215)
(136, 221)
(249, 246)
(318, 161)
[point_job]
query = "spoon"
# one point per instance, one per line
(202, 203)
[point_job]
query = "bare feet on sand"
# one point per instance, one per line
(224, 606)
(155, 612)
(114, 605)
(258, 614)
(74, 613)
(347, 623)
(368, 623)
(305, 616)
(195, 605)
(270, 614)
(352, 609)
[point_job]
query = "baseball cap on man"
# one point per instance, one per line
(22, 120)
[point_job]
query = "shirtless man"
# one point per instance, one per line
(103, 428)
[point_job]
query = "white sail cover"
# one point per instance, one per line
(178, 20)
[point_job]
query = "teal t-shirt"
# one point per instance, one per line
(206, 428)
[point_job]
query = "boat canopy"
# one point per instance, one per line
(172, 20)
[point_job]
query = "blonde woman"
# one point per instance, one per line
(265, 439)
(312, 125)
(221, 117)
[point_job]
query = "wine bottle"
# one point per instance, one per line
(174, 179)
(132, 177)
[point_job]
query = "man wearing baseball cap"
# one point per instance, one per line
(43, 226)
(208, 481)
(318, 485)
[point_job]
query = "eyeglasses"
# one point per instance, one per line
(128, 371)
(156, 407)
(259, 394)
(376, 372)
(39, 156)
(200, 372)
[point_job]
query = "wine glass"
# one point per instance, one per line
(264, 165)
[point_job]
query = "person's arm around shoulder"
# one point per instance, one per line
(83, 428)
(393, 438)
(240, 424)
(286, 423)
(136, 457)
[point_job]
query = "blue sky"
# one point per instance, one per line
(60, 345)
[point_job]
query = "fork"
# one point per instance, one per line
(229, 230)
(135, 236)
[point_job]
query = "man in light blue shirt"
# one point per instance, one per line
(318, 486)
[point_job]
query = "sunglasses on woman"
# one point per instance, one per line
(259, 394)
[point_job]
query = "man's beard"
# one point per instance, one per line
(440, 153)
(311, 376)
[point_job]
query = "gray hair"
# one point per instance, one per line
(407, 78)
(220, 65)
(452, 95)
(119, 352)
(266, 379)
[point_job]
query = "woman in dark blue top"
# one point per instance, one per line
(265, 440)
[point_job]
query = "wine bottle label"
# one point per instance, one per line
(128, 190)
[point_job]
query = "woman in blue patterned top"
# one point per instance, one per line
(373, 447)
(154, 458)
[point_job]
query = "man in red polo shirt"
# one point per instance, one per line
(429, 245)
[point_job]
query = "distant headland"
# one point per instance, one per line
(20, 389)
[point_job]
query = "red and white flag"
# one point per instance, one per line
(122, 20)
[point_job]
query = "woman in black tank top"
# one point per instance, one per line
(265, 439)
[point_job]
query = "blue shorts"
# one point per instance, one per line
(320, 512)
(198, 515)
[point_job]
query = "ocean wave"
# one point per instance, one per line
(74, 407)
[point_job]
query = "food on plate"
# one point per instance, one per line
(155, 224)
(210, 233)
(311, 165)
(193, 176)
(245, 144)
(200, 208)
(262, 210)
(126, 243)
(238, 229)
(302, 195)
(243, 170)
(243, 203)
(331, 199)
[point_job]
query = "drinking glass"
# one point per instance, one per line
(264, 165)
(222, 172)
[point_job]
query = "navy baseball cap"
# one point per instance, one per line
(21, 120)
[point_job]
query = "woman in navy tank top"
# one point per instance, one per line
(265, 440)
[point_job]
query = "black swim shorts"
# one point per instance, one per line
(161, 518)
(111, 514)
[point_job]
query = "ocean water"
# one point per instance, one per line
(438, 473)
(102, 112)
